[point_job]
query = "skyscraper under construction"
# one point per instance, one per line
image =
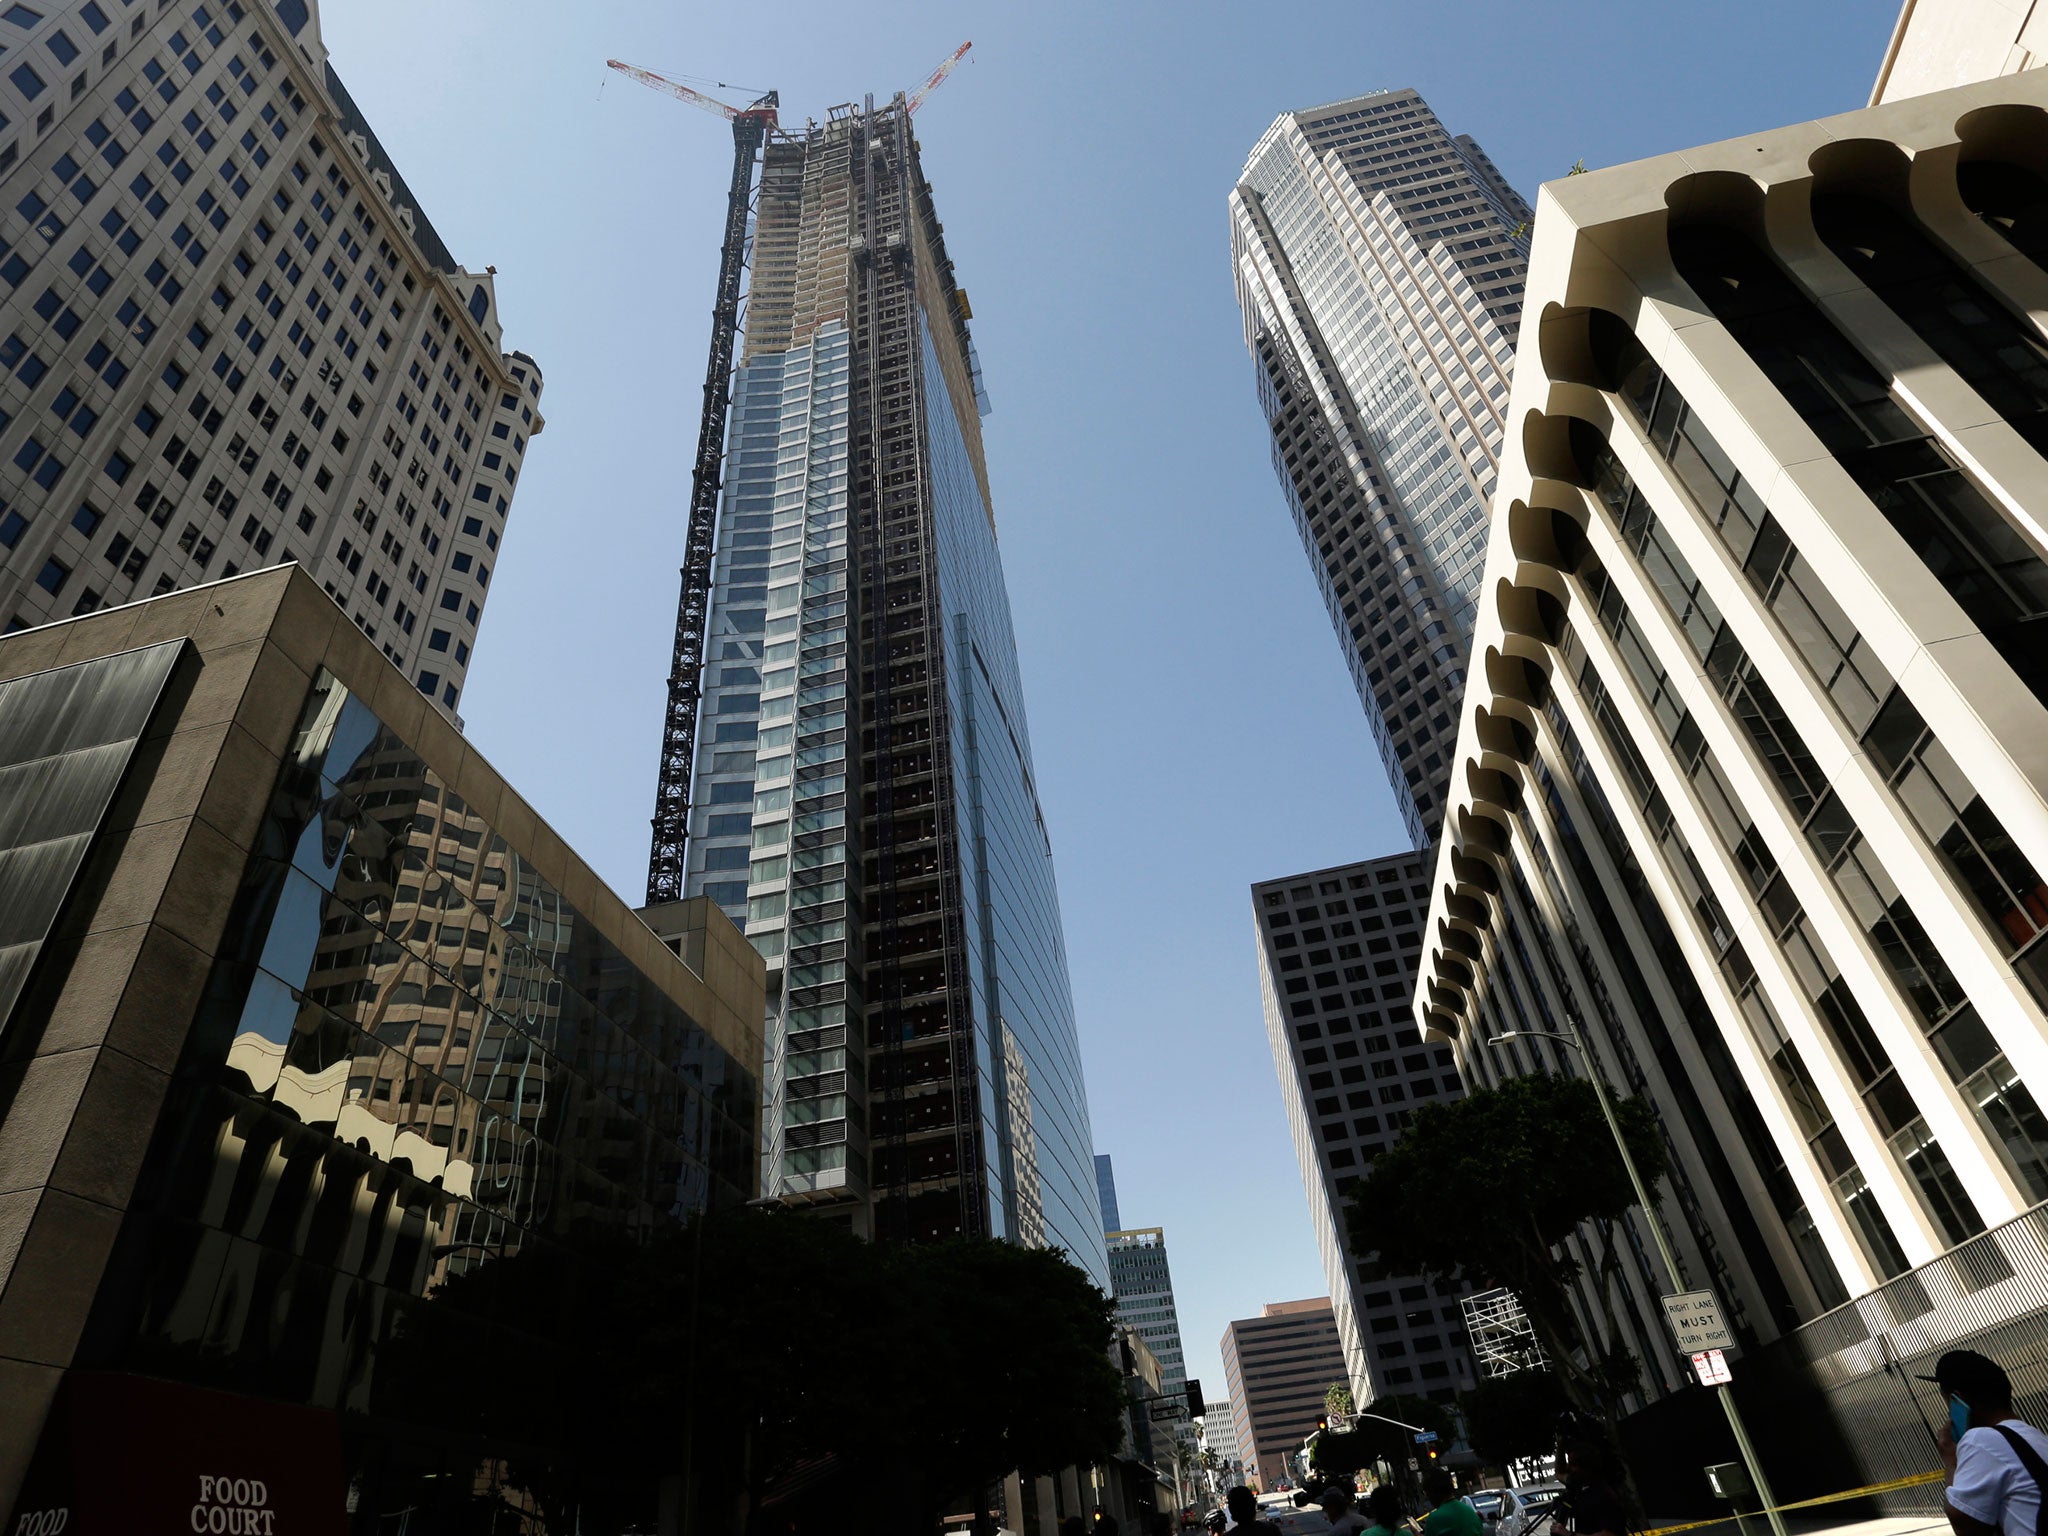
(862, 796)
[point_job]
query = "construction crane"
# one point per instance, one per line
(937, 77)
(751, 127)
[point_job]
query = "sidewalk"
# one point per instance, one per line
(1815, 1522)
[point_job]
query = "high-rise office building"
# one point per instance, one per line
(1219, 1437)
(1142, 1283)
(1105, 1188)
(864, 799)
(1939, 44)
(1379, 264)
(1279, 1366)
(1337, 955)
(232, 338)
(1759, 691)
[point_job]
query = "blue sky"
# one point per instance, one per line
(1192, 721)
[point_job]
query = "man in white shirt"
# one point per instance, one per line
(1995, 1464)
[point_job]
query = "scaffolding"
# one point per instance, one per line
(1502, 1339)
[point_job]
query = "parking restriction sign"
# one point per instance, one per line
(1711, 1367)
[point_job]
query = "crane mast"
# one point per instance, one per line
(666, 863)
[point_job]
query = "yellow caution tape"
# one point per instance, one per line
(1916, 1480)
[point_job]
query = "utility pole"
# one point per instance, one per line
(1577, 1041)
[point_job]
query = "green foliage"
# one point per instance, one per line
(1393, 1442)
(1337, 1398)
(1510, 1418)
(1487, 1186)
(765, 1341)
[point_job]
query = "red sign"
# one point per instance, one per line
(1712, 1368)
(130, 1456)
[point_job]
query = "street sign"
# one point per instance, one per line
(1711, 1367)
(1425, 1437)
(1695, 1319)
(1168, 1408)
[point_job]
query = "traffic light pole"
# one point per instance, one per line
(1577, 1041)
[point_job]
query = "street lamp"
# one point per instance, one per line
(1577, 1041)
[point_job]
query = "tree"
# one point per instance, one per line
(757, 1343)
(1381, 1432)
(995, 1358)
(1514, 1417)
(1337, 1399)
(1487, 1188)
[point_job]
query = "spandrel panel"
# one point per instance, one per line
(67, 740)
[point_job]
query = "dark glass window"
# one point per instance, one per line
(1993, 573)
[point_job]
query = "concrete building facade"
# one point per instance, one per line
(1379, 264)
(1937, 45)
(1758, 688)
(305, 1015)
(233, 339)
(1219, 1437)
(1337, 955)
(1278, 1366)
(1142, 1283)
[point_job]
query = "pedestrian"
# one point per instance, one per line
(1449, 1515)
(1243, 1505)
(1592, 1504)
(1073, 1525)
(1344, 1518)
(1994, 1463)
(1106, 1524)
(1383, 1509)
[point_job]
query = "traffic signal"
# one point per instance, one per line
(1322, 1423)
(1432, 1453)
(1196, 1407)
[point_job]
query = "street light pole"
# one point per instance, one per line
(1577, 1041)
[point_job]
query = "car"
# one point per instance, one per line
(1488, 1502)
(1526, 1511)
(1298, 1522)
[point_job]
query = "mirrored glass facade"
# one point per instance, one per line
(1379, 264)
(865, 802)
(414, 1057)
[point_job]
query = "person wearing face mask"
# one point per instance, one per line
(1994, 1463)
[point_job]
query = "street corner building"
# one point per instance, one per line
(1338, 951)
(1755, 741)
(231, 338)
(303, 1015)
(864, 800)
